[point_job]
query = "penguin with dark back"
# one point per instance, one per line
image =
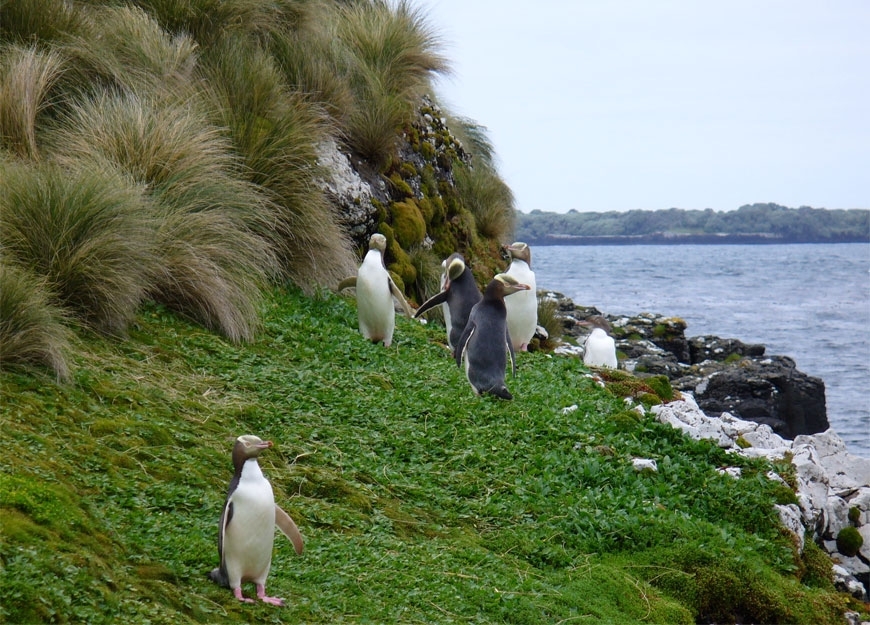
(247, 525)
(485, 342)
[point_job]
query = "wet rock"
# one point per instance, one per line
(832, 485)
(725, 375)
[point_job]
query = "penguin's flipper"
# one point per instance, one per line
(219, 575)
(433, 301)
(459, 352)
(288, 528)
(397, 293)
(346, 283)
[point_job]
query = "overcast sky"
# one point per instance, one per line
(618, 104)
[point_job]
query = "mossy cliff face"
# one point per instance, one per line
(414, 201)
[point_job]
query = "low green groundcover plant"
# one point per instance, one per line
(419, 502)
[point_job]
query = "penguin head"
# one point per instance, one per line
(455, 267)
(378, 242)
(520, 251)
(597, 321)
(505, 285)
(247, 447)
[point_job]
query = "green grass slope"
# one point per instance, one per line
(419, 502)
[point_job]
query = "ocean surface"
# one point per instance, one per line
(807, 301)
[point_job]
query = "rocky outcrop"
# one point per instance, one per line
(724, 375)
(832, 485)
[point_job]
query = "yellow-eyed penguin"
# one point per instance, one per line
(522, 308)
(599, 349)
(375, 291)
(247, 526)
(459, 294)
(485, 341)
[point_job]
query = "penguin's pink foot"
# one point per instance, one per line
(524, 347)
(261, 594)
(238, 593)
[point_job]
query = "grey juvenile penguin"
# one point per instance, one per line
(460, 293)
(485, 341)
(247, 525)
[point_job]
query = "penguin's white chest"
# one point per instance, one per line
(600, 350)
(522, 307)
(250, 533)
(377, 315)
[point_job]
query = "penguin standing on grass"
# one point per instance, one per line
(247, 526)
(375, 291)
(459, 294)
(522, 308)
(485, 342)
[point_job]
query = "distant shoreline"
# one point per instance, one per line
(668, 238)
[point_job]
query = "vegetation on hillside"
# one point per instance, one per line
(419, 502)
(164, 249)
(765, 221)
(167, 152)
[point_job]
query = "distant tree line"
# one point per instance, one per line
(759, 223)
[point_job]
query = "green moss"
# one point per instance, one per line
(732, 358)
(626, 420)
(742, 443)
(854, 515)
(661, 385)
(401, 186)
(816, 570)
(849, 541)
(408, 223)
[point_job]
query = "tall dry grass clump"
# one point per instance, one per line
(394, 55)
(213, 264)
(208, 21)
(488, 198)
(27, 21)
(87, 232)
(277, 132)
(481, 190)
(27, 75)
(123, 46)
(32, 330)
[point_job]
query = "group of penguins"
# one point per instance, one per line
(483, 329)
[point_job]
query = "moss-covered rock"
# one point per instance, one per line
(409, 226)
(849, 541)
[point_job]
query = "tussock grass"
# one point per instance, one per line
(394, 54)
(488, 198)
(549, 320)
(213, 262)
(125, 47)
(208, 21)
(26, 21)
(87, 232)
(27, 75)
(442, 506)
(480, 188)
(428, 268)
(32, 330)
(277, 133)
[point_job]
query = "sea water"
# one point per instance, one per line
(810, 302)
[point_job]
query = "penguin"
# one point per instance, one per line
(375, 291)
(522, 308)
(459, 294)
(247, 525)
(485, 340)
(599, 349)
